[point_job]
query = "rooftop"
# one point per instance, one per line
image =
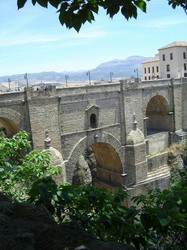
(174, 44)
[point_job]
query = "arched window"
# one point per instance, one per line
(93, 121)
(92, 117)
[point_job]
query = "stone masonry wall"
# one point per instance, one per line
(184, 104)
(44, 117)
(177, 102)
(133, 105)
(75, 107)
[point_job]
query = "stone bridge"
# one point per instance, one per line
(126, 126)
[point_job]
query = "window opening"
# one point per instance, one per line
(184, 66)
(93, 121)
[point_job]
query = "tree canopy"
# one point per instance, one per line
(74, 13)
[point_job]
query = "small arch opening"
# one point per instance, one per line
(93, 121)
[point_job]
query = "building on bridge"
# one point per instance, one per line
(171, 62)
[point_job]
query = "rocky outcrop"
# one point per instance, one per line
(27, 227)
(175, 160)
(82, 174)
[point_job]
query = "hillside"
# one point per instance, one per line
(119, 68)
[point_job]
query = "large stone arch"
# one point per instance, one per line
(10, 120)
(157, 111)
(109, 155)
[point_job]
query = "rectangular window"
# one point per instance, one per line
(149, 78)
(156, 68)
(184, 66)
(153, 69)
(149, 70)
(163, 57)
(171, 56)
(167, 67)
(185, 74)
(145, 78)
(145, 70)
(184, 55)
(168, 75)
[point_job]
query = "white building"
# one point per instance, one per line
(151, 69)
(171, 62)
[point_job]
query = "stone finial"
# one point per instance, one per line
(47, 140)
(134, 122)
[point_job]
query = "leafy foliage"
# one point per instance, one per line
(164, 217)
(95, 209)
(19, 169)
(159, 223)
(157, 220)
(74, 13)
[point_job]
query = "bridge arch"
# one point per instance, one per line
(157, 112)
(108, 155)
(10, 121)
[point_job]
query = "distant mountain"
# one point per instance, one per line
(119, 69)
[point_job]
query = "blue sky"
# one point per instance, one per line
(32, 39)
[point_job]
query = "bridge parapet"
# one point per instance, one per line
(45, 91)
(160, 82)
(109, 87)
(12, 96)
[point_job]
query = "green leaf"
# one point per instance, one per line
(34, 2)
(113, 10)
(164, 219)
(125, 13)
(141, 5)
(179, 202)
(2, 170)
(21, 3)
(93, 6)
(55, 3)
(43, 3)
(134, 11)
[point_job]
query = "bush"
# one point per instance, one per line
(19, 168)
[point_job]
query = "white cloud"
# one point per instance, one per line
(27, 40)
(71, 37)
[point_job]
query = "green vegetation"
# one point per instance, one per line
(74, 13)
(20, 169)
(157, 220)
